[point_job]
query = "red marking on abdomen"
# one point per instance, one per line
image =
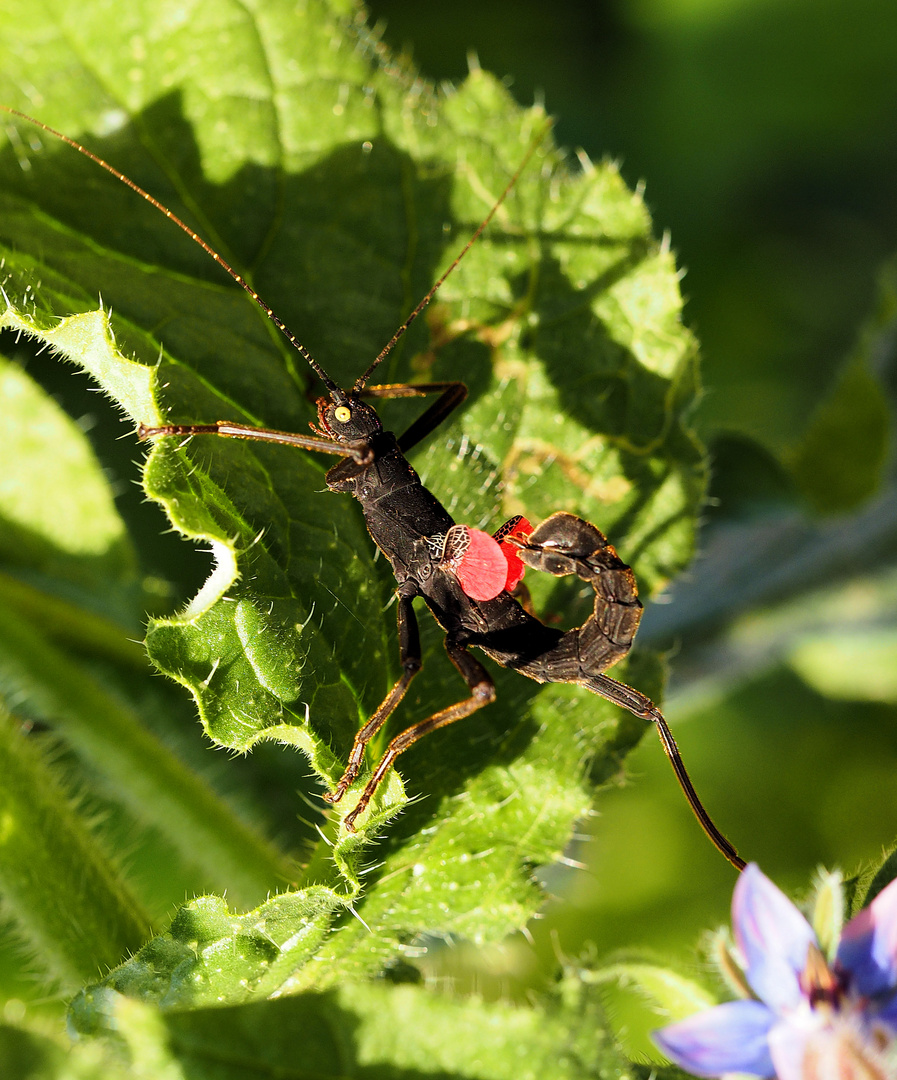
(516, 569)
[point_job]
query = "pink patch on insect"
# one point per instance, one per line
(483, 568)
(516, 568)
(490, 565)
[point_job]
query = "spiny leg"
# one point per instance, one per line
(360, 452)
(410, 656)
(564, 544)
(643, 707)
(482, 693)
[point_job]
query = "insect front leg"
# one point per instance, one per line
(482, 693)
(451, 395)
(359, 451)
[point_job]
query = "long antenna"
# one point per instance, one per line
(197, 239)
(335, 391)
(391, 344)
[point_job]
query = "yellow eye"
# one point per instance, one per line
(343, 413)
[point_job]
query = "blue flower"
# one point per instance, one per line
(811, 1018)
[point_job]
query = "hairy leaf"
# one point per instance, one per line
(64, 894)
(370, 1031)
(340, 185)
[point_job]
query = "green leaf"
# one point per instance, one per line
(66, 898)
(154, 784)
(841, 458)
(864, 886)
(341, 186)
(209, 956)
(38, 1055)
(54, 502)
(369, 1031)
(640, 996)
(59, 527)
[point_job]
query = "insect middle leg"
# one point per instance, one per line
(410, 655)
(482, 693)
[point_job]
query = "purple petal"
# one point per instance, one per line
(726, 1038)
(774, 938)
(886, 1011)
(788, 1047)
(868, 948)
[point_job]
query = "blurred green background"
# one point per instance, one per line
(765, 133)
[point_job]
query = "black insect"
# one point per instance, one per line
(470, 581)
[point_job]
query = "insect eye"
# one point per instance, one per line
(343, 414)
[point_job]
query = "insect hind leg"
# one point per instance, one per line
(565, 544)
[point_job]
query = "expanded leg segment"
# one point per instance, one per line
(564, 545)
(482, 693)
